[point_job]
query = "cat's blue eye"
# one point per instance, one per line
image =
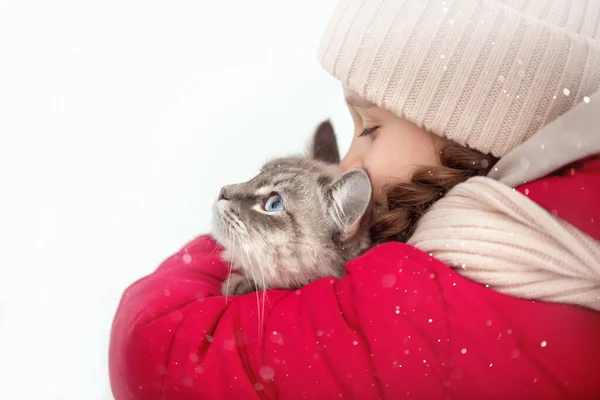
(273, 203)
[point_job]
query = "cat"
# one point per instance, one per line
(298, 220)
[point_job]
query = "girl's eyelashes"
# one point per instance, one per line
(368, 131)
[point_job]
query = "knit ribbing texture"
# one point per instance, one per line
(498, 237)
(486, 74)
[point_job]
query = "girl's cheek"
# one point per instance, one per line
(378, 185)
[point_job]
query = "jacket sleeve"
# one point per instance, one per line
(175, 336)
(154, 317)
(399, 324)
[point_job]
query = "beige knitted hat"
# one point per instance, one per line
(484, 73)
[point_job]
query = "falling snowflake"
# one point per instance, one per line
(229, 345)
(161, 369)
(267, 373)
(463, 351)
(524, 162)
(388, 280)
(544, 343)
(586, 99)
(566, 92)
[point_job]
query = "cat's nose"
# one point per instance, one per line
(223, 194)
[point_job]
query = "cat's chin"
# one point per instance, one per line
(219, 227)
(220, 237)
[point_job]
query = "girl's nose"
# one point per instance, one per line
(350, 162)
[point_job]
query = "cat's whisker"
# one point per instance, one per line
(234, 239)
(262, 274)
(252, 272)
(264, 297)
(264, 286)
(234, 221)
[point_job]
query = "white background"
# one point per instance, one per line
(119, 122)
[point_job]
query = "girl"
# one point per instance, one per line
(496, 292)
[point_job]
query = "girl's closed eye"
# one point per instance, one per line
(368, 131)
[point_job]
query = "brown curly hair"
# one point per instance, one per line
(407, 202)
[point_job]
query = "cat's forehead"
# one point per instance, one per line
(288, 163)
(293, 172)
(300, 164)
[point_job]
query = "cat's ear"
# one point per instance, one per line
(349, 200)
(324, 146)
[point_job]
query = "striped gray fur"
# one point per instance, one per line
(324, 223)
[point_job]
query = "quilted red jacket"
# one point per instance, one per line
(400, 324)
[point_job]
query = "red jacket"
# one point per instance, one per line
(400, 324)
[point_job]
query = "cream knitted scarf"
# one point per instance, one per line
(497, 236)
